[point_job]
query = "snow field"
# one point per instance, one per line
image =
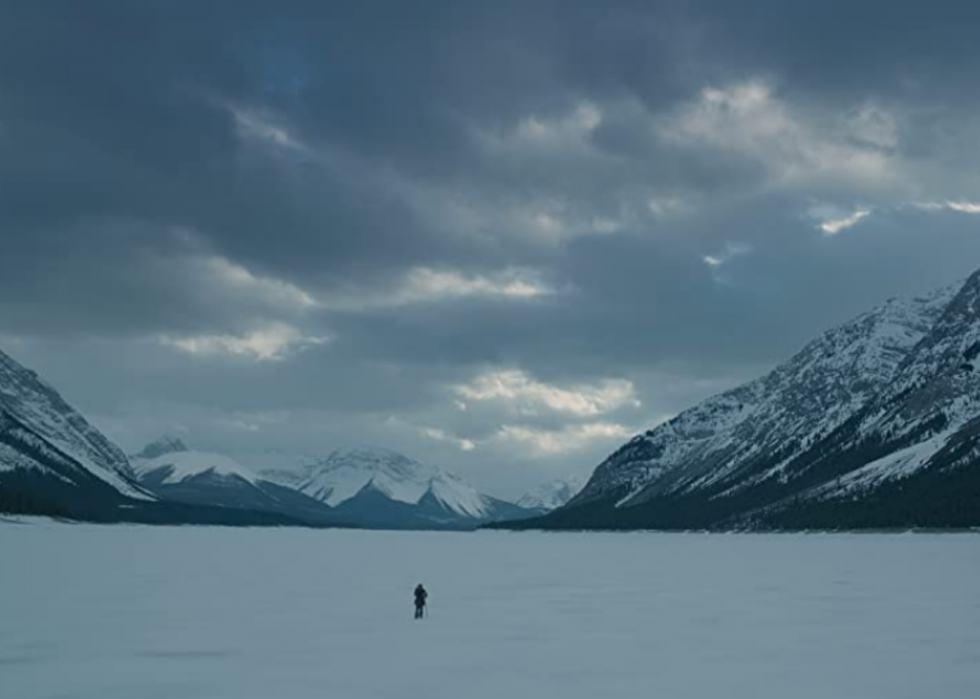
(126, 612)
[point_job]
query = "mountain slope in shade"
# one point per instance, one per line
(52, 461)
(551, 495)
(914, 451)
(852, 417)
(38, 478)
(177, 474)
(761, 425)
(30, 405)
(381, 488)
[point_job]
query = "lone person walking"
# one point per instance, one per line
(420, 597)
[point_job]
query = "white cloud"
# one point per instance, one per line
(427, 285)
(872, 126)
(567, 440)
(255, 125)
(554, 222)
(606, 226)
(963, 207)
(835, 226)
(748, 118)
(831, 219)
(568, 129)
(567, 136)
(272, 342)
(270, 308)
(610, 222)
(547, 226)
(524, 395)
(666, 205)
(443, 436)
(730, 251)
(239, 280)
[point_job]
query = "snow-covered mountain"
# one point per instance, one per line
(172, 471)
(180, 464)
(913, 450)
(54, 462)
(380, 488)
(852, 417)
(38, 426)
(167, 444)
(551, 495)
(51, 458)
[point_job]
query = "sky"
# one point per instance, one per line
(498, 237)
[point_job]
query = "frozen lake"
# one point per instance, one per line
(145, 613)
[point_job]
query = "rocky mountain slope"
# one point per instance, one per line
(913, 452)
(39, 428)
(51, 459)
(871, 425)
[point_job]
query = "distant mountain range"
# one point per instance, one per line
(370, 488)
(53, 462)
(380, 488)
(174, 473)
(875, 424)
(551, 495)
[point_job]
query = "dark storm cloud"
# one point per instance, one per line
(242, 210)
(877, 48)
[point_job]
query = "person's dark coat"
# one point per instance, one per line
(420, 597)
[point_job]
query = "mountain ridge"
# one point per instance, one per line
(373, 484)
(552, 494)
(174, 472)
(752, 456)
(39, 408)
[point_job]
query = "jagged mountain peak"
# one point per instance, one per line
(551, 495)
(344, 472)
(418, 492)
(171, 467)
(165, 444)
(167, 460)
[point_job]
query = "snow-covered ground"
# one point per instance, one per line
(120, 612)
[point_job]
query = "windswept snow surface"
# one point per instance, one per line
(212, 613)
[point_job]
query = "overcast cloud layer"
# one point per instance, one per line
(502, 237)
